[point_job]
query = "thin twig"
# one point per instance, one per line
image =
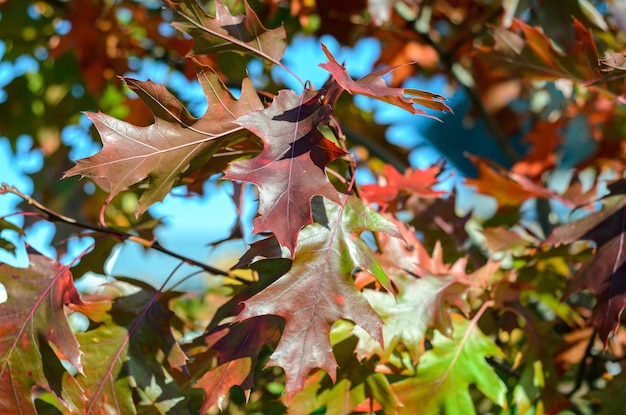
(352, 168)
(582, 367)
(53, 216)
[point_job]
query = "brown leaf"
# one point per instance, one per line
(238, 347)
(226, 32)
(160, 153)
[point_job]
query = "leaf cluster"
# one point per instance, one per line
(350, 298)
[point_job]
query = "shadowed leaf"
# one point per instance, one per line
(225, 32)
(291, 168)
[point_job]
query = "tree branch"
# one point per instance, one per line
(53, 216)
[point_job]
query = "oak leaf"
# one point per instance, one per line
(453, 365)
(225, 32)
(33, 318)
(157, 155)
(291, 168)
(605, 273)
(319, 289)
(427, 291)
(131, 349)
(496, 182)
(374, 86)
(414, 181)
(544, 139)
(238, 347)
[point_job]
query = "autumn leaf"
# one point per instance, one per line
(104, 383)
(414, 181)
(32, 318)
(374, 86)
(291, 168)
(157, 155)
(544, 139)
(453, 365)
(534, 56)
(319, 290)
(600, 226)
(225, 32)
(427, 291)
(238, 347)
(131, 350)
(421, 303)
(359, 388)
(495, 182)
(603, 274)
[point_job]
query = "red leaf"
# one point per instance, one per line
(544, 138)
(319, 290)
(291, 168)
(34, 313)
(217, 382)
(159, 153)
(507, 188)
(238, 348)
(605, 273)
(374, 86)
(414, 181)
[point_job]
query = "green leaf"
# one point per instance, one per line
(105, 383)
(421, 303)
(359, 387)
(132, 348)
(445, 373)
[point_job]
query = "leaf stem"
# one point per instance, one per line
(582, 366)
(53, 216)
(352, 168)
